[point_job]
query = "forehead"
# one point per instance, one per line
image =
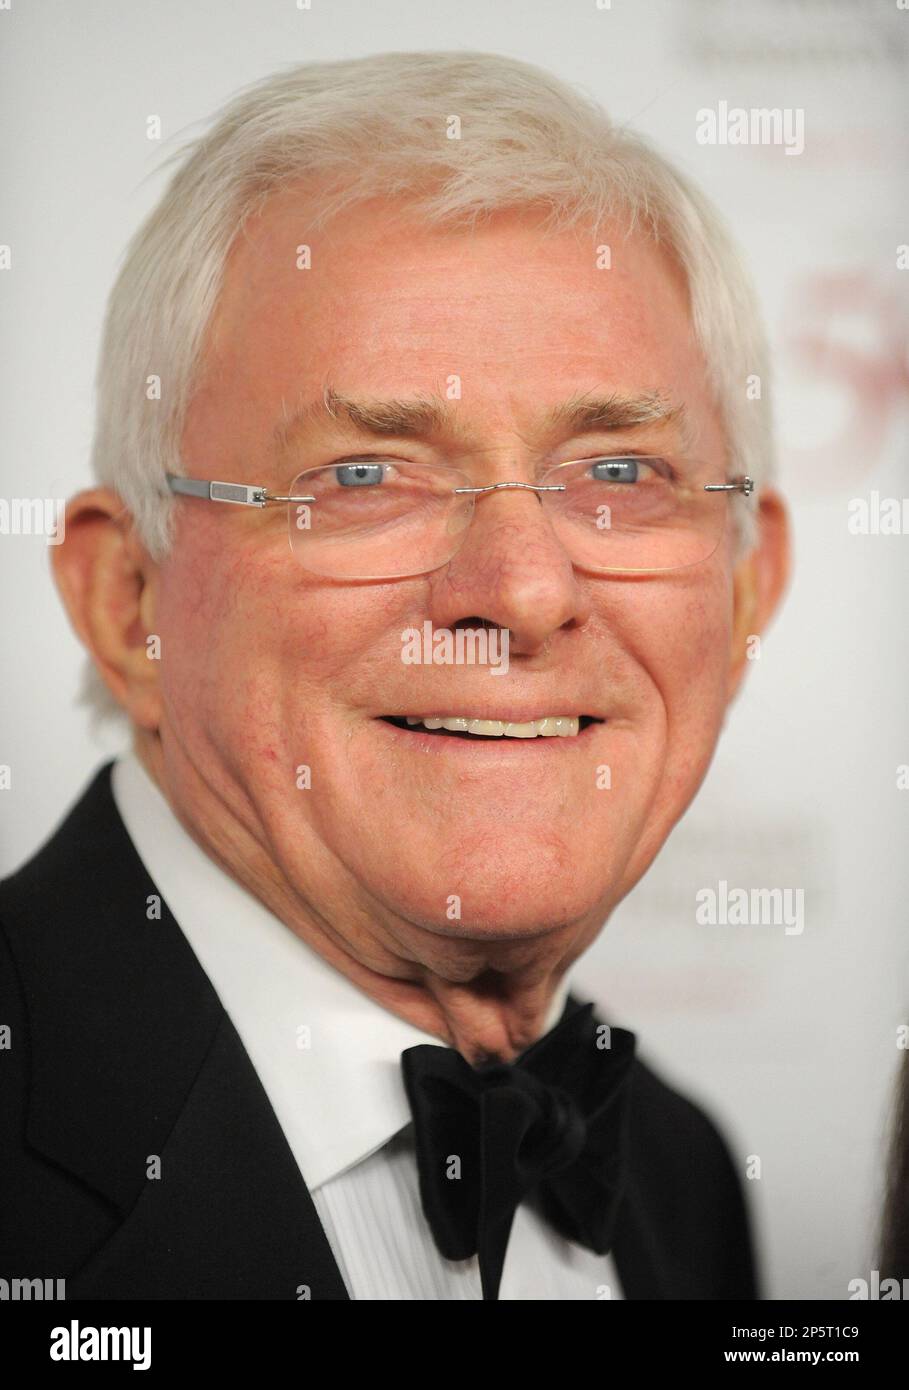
(379, 302)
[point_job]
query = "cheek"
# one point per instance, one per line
(257, 653)
(219, 618)
(677, 635)
(687, 658)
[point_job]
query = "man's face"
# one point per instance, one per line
(267, 668)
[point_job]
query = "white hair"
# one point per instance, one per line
(380, 126)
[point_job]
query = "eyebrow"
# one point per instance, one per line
(426, 415)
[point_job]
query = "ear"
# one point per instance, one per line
(108, 583)
(759, 581)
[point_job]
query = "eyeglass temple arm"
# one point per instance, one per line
(241, 494)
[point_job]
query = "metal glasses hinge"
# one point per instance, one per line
(239, 493)
(745, 485)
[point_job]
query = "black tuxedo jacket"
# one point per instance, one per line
(120, 1051)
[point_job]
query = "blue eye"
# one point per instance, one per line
(615, 470)
(359, 474)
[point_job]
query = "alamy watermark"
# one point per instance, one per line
(754, 125)
(33, 516)
(875, 515)
(875, 1288)
(468, 646)
(751, 907)
(80, 1342)
(32, 1290)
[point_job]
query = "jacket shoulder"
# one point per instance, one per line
(662, 1112)
(110, 1018)
(47, 1219)
(84, 840)
(685, 1177)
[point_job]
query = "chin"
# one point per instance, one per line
(505, 928)
(502, 908)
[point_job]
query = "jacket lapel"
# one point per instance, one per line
(230, 1216)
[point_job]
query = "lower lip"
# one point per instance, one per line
(422, 741)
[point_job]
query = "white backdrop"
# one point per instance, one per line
(789, 1040)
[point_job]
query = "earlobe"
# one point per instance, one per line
(107, 582)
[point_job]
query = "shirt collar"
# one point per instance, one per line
(328, 1055)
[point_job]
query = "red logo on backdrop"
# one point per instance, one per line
(851, 333)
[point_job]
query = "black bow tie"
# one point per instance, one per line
(552, 1125)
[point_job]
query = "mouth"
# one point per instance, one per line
(465, 726)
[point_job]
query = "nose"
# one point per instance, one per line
(513, 572)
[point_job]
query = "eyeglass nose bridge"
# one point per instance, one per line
(528, 487)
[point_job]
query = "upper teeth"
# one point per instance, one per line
(564, 726)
